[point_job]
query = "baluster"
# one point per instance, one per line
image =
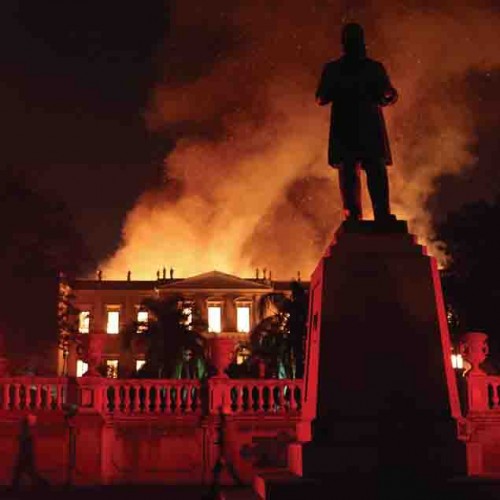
(258, 399)
(6, 396)
(177, 399)
(246, 397)
(157, 399)
(293, 400)
(50, 398)
(189, 398)
(279, 399)
(38, 396)
(121, 393)
(230, 392)
(265, 401)
(109, 399)
(239, 399)
(195, 396)
(145, 388)
(126, 398)
(153, 398)
(271, 397)
(182, 398)
(119, 398)
(59, 396)
(134, 398)
(17, 396)
(495, 398)
(251, 398)
(167, 397)
(114, 397)
(139, 398)
(147, 398)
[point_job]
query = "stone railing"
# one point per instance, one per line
(249, 396)
(483, 393)
(143, 397)
(482, 389)
(33, 393)
(493, 391)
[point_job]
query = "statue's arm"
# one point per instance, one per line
(388, 94)
(323, 92)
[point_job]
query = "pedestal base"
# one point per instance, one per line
(379, 387)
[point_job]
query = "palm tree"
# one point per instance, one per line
(171, 339)
(279, 338)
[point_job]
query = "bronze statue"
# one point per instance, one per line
(358, 87)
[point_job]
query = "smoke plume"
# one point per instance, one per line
(247, 184)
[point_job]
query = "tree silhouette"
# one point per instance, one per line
(37, 240)
(280, 337)
(171, 339)
(471, 281)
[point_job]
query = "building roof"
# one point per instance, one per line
(217, 280)
(213, 280)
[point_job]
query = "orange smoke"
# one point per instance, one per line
(253, 188)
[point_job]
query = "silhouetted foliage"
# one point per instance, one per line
(279, 339)
(471, 282)
(37, 241)
(173, 345)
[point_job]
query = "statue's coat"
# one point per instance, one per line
(357, 129)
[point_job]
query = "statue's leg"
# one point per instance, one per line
(350, 190)
(378, 187)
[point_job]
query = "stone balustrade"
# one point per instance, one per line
(33, 393)
(147, 397)
(262, 396)
(142, 397)
(483, 393)
(164, 430)
(493, 390)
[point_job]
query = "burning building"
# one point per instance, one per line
(229, 306)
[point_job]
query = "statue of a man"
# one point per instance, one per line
(358, 87)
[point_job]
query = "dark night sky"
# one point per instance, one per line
(75, 79)
(79, 76)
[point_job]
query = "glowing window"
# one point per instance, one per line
(81, 367)
(113, 324)
(187, 311)
(84, 322)
(242, 355)
(243, 318)
(142, 319)
(112, 368)
(457, 361)
(139, 364)
(214, 318)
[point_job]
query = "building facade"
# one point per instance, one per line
(229, 306)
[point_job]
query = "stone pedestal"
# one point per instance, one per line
(380, 392)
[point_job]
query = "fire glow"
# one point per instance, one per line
(247, 184)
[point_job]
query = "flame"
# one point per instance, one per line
(248, 184)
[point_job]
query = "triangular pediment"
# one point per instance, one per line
(215, 280)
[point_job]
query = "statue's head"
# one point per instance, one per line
(353, 40)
